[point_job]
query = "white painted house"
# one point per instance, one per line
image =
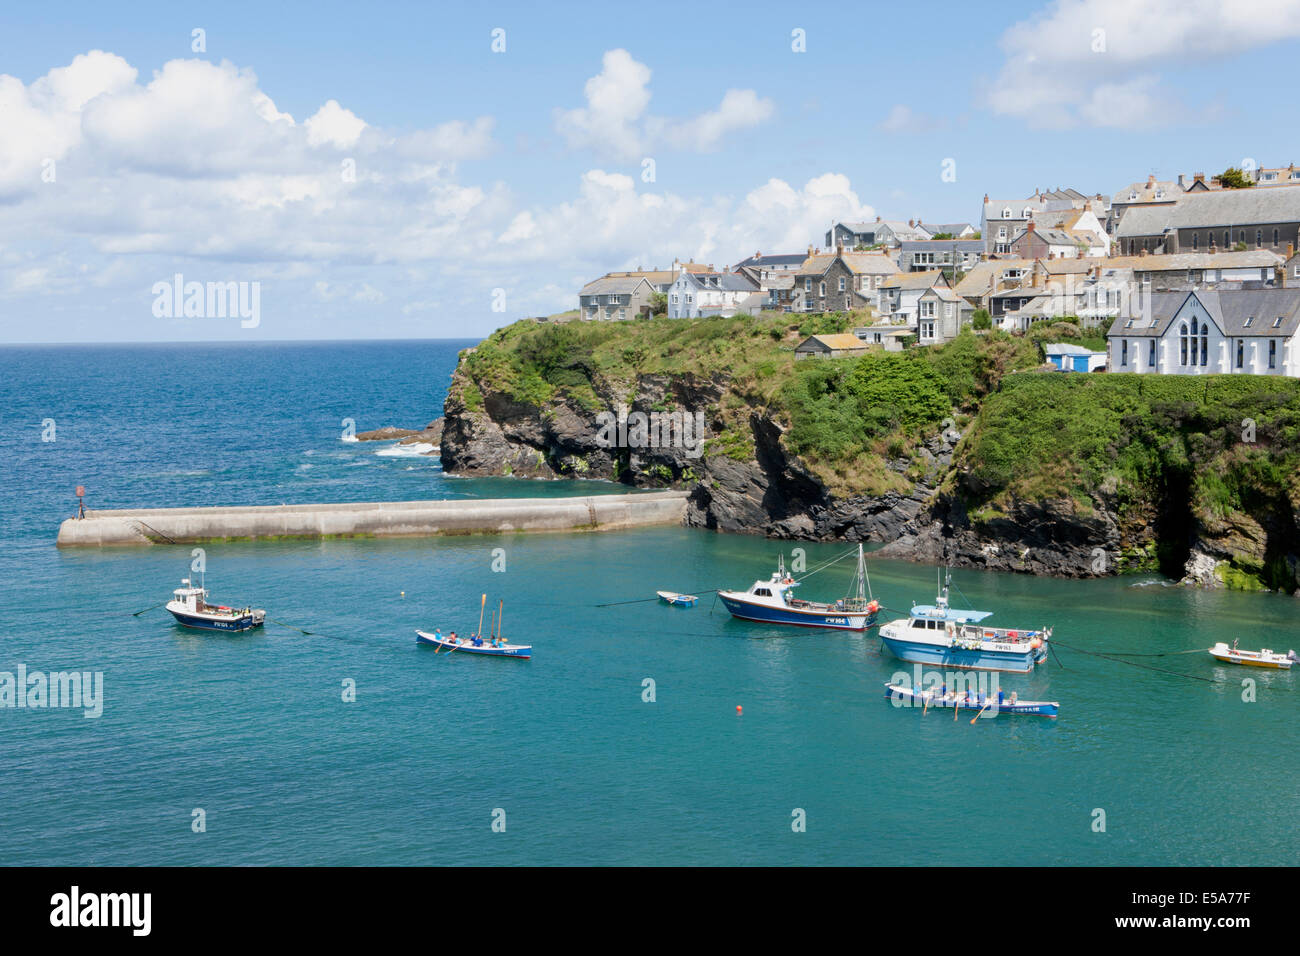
(1200, 332)
(694, 294)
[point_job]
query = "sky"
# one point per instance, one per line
(404, 170)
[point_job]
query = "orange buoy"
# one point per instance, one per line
(738, 710)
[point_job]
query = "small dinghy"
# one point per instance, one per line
(491, 646)
(950, 699)
(677, 600)
(1265, 658)
(190, 608)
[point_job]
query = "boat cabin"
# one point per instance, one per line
(191, 598)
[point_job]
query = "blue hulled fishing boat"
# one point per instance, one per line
(190, 608)
(950, 637)
(772, 601)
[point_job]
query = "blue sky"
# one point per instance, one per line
(487, 178)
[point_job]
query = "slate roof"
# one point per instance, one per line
(1223, 207)
(1229, 310)
(913, 280)
(759, 262)
(613, 285)
(843, 340)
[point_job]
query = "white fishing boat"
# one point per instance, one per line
(1264, 658)
(945, 636)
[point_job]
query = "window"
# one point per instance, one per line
(1259, 238)
(1194, 240)
(1272, 353)
(927, 309)
(821, 288)
(1241, 352)
(1226, 241)
(927, 330)
(1002, 232)
(1006, 213)
(947, 311)
(1275, 236)
(1028, 213)
(1123, 360)
(674, 297)
(807, 285)
(1249, 320)
(1277, 323)
(1205, 346)
(841, 283)
(1182, 344)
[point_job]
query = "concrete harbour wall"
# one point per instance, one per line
(372, 519)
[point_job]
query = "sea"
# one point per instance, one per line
(637, 734)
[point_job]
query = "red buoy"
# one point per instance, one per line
(738, 710)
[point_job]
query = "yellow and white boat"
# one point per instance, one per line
(1264, 658)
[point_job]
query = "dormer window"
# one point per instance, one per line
(1006, 213)
(1132, 195)
(1249, 320)
(1277, 323)
(1028, 213)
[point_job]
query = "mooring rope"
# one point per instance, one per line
(1159, 670)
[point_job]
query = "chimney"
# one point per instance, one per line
(810, 251)
(911, 222)
(1290, 249)
(1181, 181)
(758, 255)
(877, 219)
(1198, 178)
(1096, 271)
(839, 248)
(1031, 226)
(986, 199)
(1151, 180)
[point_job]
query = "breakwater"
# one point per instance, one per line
(372, 519)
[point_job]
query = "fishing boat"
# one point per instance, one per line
(677, 600)
(1265, 658)
(190, 607)
(950, 637)
(772, 601)
(491, 646)
(950, 699)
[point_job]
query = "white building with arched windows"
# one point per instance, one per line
(1237, 332)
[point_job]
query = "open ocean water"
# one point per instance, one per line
(254, 729)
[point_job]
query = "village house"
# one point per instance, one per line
(1003, 219)
(1204, 332)
(1150, 193)
(990, 276)
(1035, 243)
(840, 281)
(901, 294)
(940, 315)
(1215, 221)
(959, 255)
(830, 346)
(950, 230)
(882, 232)
(696, 294)
(1275, 175)
(616, 297)
(888, 335)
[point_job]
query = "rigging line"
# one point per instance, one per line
(1147, 667)
(1195, 650)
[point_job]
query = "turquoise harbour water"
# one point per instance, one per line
(253, 729)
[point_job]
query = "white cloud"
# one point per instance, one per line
(615, 123)
(1098, 61)
(195, 170)
(334, 125)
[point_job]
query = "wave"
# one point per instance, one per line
(406, 451)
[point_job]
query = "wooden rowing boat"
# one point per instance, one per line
(677, 600)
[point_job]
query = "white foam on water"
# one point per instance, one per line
(405, 451)
(349, 438)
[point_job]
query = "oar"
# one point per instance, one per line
(980, 714)
(482, 606)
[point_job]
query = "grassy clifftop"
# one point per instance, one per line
(1181, 465)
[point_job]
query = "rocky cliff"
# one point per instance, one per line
(937, 494)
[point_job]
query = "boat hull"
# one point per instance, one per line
(521, 651)
(235, 625)
(677, 600)
(798, 617)
(926, 700)
(960, 658)
(1248, 662)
